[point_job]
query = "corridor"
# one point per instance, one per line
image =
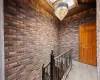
(36, 33)
(82, 71)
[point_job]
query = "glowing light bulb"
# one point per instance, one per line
(61, 10)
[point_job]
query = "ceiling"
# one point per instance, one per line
(89, 2)
(80, 5)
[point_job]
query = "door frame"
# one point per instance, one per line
(79, 40)
(2, 61)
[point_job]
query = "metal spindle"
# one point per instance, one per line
(58, 66)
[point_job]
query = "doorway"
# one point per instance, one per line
(87, 43)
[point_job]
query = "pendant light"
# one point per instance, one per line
(61, 10)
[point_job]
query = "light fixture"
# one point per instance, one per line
(61, 10)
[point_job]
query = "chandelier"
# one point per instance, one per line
(61, 10)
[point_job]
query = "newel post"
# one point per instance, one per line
(43, 73)
(52, 67)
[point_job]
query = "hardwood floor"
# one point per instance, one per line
(82, 71)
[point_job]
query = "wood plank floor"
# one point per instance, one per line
(82, 71)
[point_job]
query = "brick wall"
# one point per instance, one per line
(98, 38)
(68, 34)
(29, 38)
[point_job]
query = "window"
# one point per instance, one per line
(53, 1)
(69, 2)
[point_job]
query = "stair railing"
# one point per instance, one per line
(63, 65)
(46, 72)
(59, 67)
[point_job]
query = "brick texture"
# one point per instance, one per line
(98, 38)
(29, 38)
(68, 34)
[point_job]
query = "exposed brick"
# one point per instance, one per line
(29, 39)
(68, 31)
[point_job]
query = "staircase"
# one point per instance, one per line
(59, 67)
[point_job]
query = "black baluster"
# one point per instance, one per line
(52, 67)
(43, 72)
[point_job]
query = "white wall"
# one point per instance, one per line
(1, 42)
(98, 38)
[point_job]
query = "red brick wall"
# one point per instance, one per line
(68, 34)
(29, 38)
(98, 38)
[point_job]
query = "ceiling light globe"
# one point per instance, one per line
(61, 10)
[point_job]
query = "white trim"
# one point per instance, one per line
(2, 69)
